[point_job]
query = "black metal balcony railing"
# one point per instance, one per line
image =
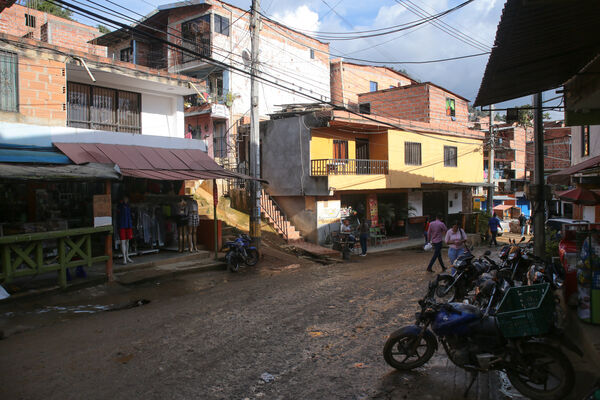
(325, 167)
(201, 45)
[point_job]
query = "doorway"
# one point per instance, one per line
(362, 156)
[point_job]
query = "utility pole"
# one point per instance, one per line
(491, 181)
(539, 245)
(254, 156)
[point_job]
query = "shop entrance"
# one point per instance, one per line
(393, 212)
(354, 207)
(435, 203)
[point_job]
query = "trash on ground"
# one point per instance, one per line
(267, 377)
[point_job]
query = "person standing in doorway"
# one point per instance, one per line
(125, 225)
(522, 223)
(193, 222)
(435, 234)
(494, 224)
(364, 230)
(182, 223)
(455, 238)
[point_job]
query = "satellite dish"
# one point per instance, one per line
(246, 58)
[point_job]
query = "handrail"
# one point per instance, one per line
(29, 237)
(333, 166)
(271, 208)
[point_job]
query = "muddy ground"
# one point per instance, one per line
(286, 329)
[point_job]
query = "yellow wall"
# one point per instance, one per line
(390, 147)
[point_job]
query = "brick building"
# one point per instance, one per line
(221, 31)
(348, 80)
(557, 149)
(18, 20)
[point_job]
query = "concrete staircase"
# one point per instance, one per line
(274, 214)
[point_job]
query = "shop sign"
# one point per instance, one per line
(102, 210)
(328, 212)
(373, 212)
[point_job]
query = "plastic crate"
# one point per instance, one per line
(526, 311)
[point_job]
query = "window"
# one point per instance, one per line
(412, 153)
(221, 25)
(220, 140)
(545, 150)
(9, 100)
(126, 54)
(450, 107)
(196, 37)
(340, 149)
(312, 54)
(585, 140)
(364, 108)
(450, 156)
(372, 86)
(95, 107)
(30, 20)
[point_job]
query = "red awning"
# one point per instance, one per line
(503, 207)
(149, 162)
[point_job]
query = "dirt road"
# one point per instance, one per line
(286, 329)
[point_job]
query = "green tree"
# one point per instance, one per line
(526, 116)
(49, 8)
(475, 113)
(500, 117)
(103, 29)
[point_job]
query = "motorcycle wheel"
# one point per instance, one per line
(252, 257)
(233, 264)
(397, 347)
(444, 293)
(544, 373)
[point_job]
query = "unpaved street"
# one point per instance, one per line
(317, 330)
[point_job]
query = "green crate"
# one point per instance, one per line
(526, 311)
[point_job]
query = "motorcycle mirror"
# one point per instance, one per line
(522, 239)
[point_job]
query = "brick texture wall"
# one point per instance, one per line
(50, 29)
(42, 91)
(557, 144)
(348, 80)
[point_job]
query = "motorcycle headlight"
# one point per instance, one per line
(459, 263)
(512, 256)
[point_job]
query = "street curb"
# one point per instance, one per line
(170, 274)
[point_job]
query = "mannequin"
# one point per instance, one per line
(182, 222)
(125, 226)
(193, 222)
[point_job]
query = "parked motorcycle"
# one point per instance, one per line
(473, 340)
(240, 252)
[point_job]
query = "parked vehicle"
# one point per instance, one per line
(478, 342)
(240, 252)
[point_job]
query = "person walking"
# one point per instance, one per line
(364, 230)
(522, 223)
(455, 238)
(435, 234)
(494, 224)
(426, 229)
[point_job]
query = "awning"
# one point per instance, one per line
(503, 207)
(59, 172)
(539, 46)
(563, 175)
(450, 185)
(149, 162)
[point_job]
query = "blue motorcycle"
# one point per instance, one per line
(473, 340)
(240, 251)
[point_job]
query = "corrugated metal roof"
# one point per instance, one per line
(149, 162)
(539, 46)
(557, 177)
(59, 172)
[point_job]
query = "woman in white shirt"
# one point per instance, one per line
(455, 239)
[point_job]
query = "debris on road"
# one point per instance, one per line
(267, 377)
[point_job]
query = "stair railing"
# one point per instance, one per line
(275, 212)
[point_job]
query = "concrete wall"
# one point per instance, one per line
(162, 115)
(285, 158)
(456, 198)
(576, 156)
(302, 213)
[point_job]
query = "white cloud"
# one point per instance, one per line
(301, 18)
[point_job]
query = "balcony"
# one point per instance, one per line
(327, 167)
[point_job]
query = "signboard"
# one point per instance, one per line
(102, 210)
(373, 213)
(328, 218)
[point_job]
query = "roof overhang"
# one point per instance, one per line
(564, 175)
(451, 185)
(88, 171)
(540, 45)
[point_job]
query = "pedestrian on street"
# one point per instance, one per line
(522, 223)
(494, 224)
(364, 229)
(455, 238)
(436, 232)
(427, 221)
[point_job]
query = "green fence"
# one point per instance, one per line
(37, 253)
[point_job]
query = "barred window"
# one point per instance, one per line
(95, 107)
(125, 54)
(340, 149)
(30, 21)
(220, 140)
(9, 89)
(412, 153)
(364, 108)
(450, 156)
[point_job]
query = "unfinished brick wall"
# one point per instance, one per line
(348, 80)
(557, 150)
(437, 108)
(42, 91)
(50, 29)
(406, 102)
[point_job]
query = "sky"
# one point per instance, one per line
(476, 21)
